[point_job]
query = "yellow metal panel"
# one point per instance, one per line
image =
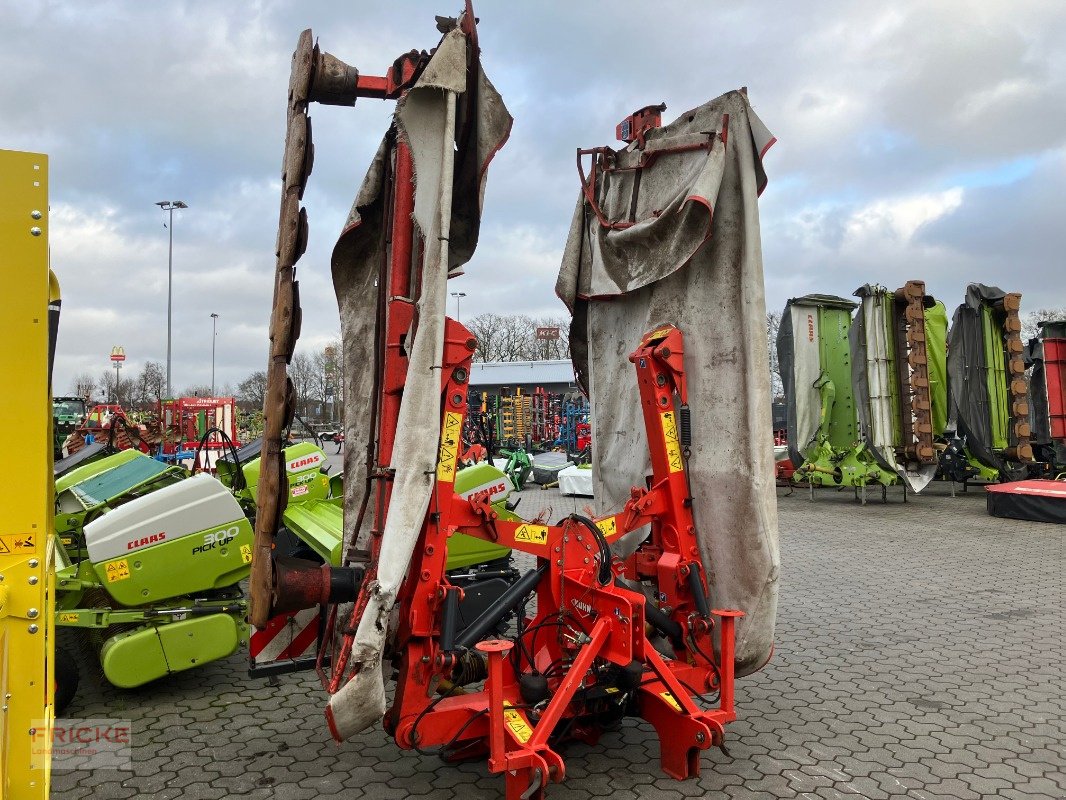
(26, 535)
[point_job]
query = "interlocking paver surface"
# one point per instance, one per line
(921, 652)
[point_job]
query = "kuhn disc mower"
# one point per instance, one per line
(610, 636)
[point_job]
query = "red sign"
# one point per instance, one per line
(118, 354)
(547, 334)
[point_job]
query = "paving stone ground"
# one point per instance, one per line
(921, 653)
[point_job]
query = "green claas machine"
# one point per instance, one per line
(988, 390)
(899, 379)
(154, 556)
(823, 431)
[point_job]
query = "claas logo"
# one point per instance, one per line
(155, 537)
(306, 461)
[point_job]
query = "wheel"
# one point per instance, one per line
(66, 679)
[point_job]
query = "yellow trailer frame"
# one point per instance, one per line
(29, 306)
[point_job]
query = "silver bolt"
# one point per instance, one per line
(32, 613)
(34, 563)
(33, 580)
(35, 214)
(700, 737)
(35, 231)
(33, 629)
(33, 731)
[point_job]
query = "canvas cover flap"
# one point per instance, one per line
(693, 258)
(449, 177)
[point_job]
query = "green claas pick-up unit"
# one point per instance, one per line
(154, 556)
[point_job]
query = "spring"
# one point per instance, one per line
(684, 418)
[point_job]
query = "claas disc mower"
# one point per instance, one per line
(594, 638)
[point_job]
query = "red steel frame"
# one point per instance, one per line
(591, 624)
(1055, 377)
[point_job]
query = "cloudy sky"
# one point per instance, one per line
(917, 139)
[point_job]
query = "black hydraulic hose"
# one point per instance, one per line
(695, 585)
(239, 481)
(605, 575)
(658, 620)
(449, 620)
(492, 616)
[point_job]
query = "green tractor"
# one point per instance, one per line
(154, 556)
(67, 414)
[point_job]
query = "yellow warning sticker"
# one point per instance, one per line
(516, 723)
(673, 447)
(669, 698)
(534, 534)
(657, 333)
(117, 570)
(246, 553)
(18, 544)
(609, 527)
(68, 619)
(450, 437)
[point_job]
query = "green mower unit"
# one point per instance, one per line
(823, 432)
(988, 390)
(898, 351)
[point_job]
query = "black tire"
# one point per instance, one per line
(66, 679)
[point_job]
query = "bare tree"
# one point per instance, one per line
(513, 337)
(252, 390)
(303, 374)
(197, 390)
(117, 390)
(83, 384)
(150, 385)
(1031, 321)
(773, 325)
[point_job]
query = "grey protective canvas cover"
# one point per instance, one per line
(694, 259)
(874, 369)
(967, 383)
(449, 177)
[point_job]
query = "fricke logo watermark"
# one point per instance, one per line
(74, 744)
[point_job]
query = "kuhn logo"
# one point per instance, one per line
(304, 462)
(155, 537)
(581, 606)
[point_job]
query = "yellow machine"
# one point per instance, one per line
(29, 311)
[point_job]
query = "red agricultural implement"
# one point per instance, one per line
(610, 637)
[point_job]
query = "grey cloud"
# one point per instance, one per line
(875, 107)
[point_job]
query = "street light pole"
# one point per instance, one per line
(170, 205)
(214, 323)
(457, 295)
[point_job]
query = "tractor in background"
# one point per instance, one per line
(67, 414)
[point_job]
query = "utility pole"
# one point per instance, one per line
(214, 323)
(170, 205)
